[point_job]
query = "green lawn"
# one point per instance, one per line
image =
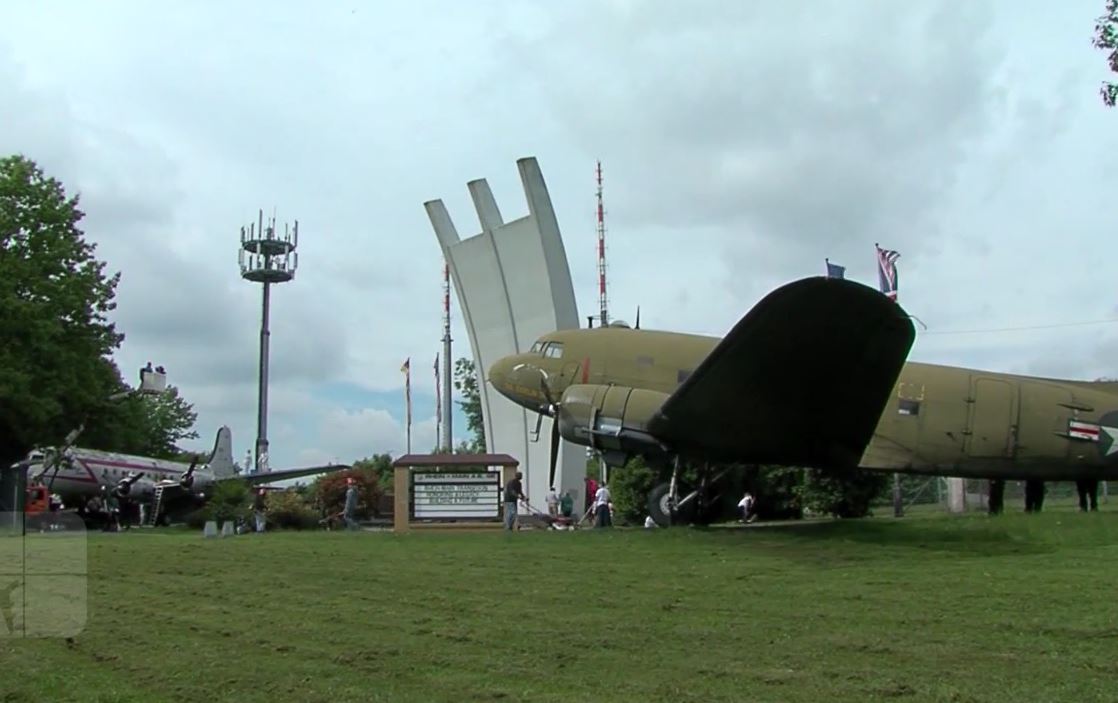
(928, 608)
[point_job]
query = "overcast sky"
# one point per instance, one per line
(742, 143)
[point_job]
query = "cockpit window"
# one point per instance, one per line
(554, 350)
(536, 347)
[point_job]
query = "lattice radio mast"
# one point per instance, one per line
(603, 313)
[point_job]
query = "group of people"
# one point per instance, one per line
(114, 509)
(558, 507)
(1088, 490)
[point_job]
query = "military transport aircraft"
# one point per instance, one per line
(813, 376)
(170, 488)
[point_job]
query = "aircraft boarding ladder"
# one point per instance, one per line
(156, 504)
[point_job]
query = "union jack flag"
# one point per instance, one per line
(887, 271)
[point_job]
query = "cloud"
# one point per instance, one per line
(741, 142)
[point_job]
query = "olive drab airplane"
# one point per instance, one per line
(170, 488)
(813, 376)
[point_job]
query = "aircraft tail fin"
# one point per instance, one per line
(221, 459)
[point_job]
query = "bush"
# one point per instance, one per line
(841, 494)
(629, 487)
(329, 491)
(286, 510)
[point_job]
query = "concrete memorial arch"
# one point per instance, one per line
(513, 285)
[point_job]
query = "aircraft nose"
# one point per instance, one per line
(499, 372)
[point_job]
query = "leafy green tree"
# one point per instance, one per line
(1106, 38)
(149, 425)
(54, 300)
(380, 466)
(465, 382)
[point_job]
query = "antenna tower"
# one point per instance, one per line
(267, 259)
(447, 441)
(603, 319)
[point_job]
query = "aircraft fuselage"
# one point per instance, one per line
(939, 420)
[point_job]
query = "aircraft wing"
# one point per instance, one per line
(285, 474)
(801, 380)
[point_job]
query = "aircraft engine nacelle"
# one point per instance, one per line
(610, 418)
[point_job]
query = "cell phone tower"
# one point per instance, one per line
(266, 258)
(603, 314)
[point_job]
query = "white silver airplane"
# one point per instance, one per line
(171, 488)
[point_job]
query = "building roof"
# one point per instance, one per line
(456, 460)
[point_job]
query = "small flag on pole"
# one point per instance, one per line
(887, 271)
(834, 270)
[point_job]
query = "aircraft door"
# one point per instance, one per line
(1044, 414)
(992, 418)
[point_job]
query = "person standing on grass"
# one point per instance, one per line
(1088, 490)
(258, 506)
(746, 506)
(350, 512)
(514, 491)
(553, 503)
(567, 505)
(601, 507)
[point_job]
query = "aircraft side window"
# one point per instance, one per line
(908, 407)
(554, 350)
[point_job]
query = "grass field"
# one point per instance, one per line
(927, 608)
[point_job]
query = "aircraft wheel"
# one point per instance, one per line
(659, 509)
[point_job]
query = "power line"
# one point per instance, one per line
(1031, 327)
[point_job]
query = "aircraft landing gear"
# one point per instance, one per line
(667, 508)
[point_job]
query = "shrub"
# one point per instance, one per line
(286, 510)
(841, 494)
(329, 492)
(629, 487)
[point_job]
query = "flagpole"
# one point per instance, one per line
(406, 368)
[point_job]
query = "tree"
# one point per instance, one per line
(465, 382)
(149, 425)
(381, 467)
(54, 300)
(1106, 37)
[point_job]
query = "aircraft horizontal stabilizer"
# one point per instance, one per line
(801, 380)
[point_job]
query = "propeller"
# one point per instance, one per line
(552, 410)
(638, 325)
(187, 479)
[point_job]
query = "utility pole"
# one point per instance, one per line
(266, 259)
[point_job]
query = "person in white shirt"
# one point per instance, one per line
(601, 507)
(746, 506)
(553, 503)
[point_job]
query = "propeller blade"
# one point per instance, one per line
(554, 450)
(638, 325)
(552, 406)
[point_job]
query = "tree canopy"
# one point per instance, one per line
(56, 370)
(465, 382)
(1106, 38)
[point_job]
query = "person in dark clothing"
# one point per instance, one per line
(514, 491)
(1034, 496)
(997, 496)
(1088, 490)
